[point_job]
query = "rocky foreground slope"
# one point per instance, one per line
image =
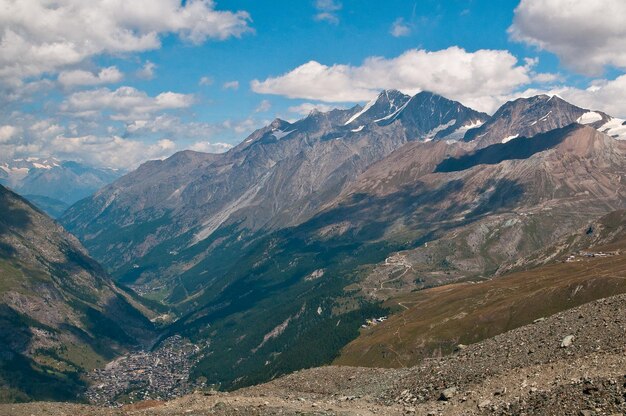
(573, 362)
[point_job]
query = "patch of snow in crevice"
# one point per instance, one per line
(176, 193)
(315, 275)
(431, 134)
(108, 202)
(589, 117)
(279, 134)
(363, 111)
(615, 128)
(40, 166)
(541, 119)
(459, 133)
(394, 114)
(509, 138)
(358, 129)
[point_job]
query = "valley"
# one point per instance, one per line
(271, 258)
(526, 370)
(321, 207)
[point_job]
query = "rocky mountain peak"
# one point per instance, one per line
(387, 103)
(525, 117)
(279, 123)
(429, 116)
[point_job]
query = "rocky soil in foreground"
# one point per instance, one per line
(572, 363)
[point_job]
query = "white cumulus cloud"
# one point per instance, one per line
(205, 81)
(147, 70)
(327, 11)
(400, 28)
(127, 103)
(231, 85)
(115, 151)
(587, 35)
(7, 132)
(263, 107)
(40, 36)
(208, 147)
(474, 78)
(305, 108)
(79, 77)
(171, 126)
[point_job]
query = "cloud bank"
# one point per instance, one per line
(587, 35)
(471, 77)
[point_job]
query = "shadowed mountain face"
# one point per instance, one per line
(518, 148)
(267, 249)
(59, 312)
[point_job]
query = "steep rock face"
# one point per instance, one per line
(59, 312)
(525, 117)
(429, 116)
(425, 116)
(279, 176)
(382, 108)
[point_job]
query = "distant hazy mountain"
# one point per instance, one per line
(60, 313)
(54, 185)
(270, 247)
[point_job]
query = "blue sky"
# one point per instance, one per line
(287, 35)
(116, 83)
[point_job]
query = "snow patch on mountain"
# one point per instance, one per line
(459, 133)
(40, 166)
(589, 117)
(358, 129)
(394, 114)
(615, 128)
(542, 118)
(509, 138)
(431, 134)
(363, 111)
(279, 134)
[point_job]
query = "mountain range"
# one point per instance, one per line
(54, 185)
(304, 228)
